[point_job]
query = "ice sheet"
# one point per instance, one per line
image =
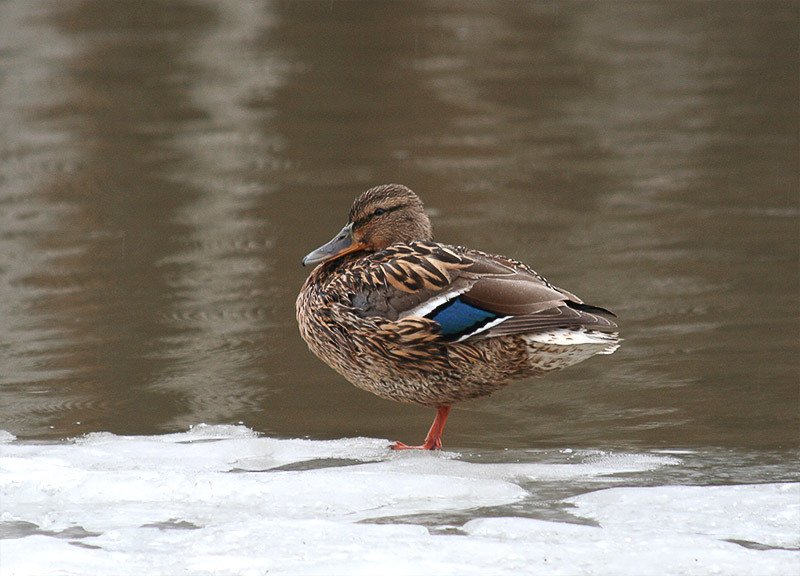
(222, 500)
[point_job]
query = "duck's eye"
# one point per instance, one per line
(379, 211)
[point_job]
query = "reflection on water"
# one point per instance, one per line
(166, 165)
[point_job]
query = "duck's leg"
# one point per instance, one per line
(433, 441)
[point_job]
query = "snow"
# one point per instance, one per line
(222, 500)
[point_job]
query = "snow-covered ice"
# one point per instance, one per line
(223, 500)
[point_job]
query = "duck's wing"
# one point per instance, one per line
(467, 294)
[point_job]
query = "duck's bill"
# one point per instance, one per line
(341, 244)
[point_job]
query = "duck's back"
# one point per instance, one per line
(434, 324)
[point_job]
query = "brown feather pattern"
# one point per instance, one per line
(370, 314)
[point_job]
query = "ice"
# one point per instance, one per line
(223, 500)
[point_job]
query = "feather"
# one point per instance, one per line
(456, 318)
(416, 321)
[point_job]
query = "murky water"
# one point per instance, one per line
(165, 165)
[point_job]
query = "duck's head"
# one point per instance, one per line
(381, 216)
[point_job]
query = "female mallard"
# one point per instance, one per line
(415, 321)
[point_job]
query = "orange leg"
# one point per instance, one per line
(433, 441)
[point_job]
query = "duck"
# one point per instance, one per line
(416, 321)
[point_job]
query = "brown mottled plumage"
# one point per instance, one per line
(415, 321)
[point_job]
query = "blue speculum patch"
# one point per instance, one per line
(457, 318)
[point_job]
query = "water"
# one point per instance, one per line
(165, 166)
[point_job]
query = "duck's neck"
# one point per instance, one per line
(335, 267)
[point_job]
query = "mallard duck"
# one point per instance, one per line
(415, 321)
